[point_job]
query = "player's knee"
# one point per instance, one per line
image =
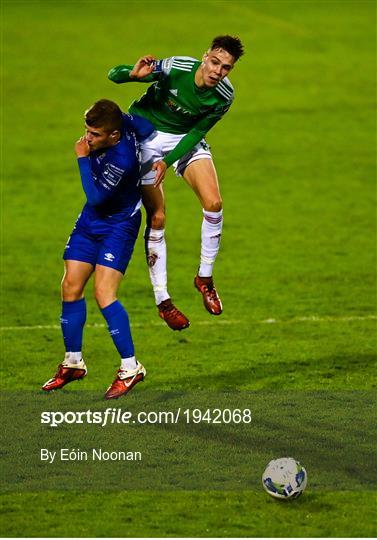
(157, 220)
(71, 290)
(214, 205)
(103, 295)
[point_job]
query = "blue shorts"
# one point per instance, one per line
(106, 241)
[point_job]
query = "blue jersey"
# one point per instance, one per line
(111, 177)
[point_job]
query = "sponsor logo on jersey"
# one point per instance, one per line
(178, 109)
(109, 257)
(112, 174)
(206, 109)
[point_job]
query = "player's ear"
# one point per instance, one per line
(115, 134)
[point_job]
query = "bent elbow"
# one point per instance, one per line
(113, 75)
(94, 200)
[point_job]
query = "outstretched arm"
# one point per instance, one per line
(142, 71)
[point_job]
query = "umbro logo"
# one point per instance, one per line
(109, 257)
(174, 91)
(114, 332)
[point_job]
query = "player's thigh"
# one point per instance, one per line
(150, 151)
(201, 176)
(153, 149)
(154, 204)
(117, 244)
(76, 275)
(81, 247)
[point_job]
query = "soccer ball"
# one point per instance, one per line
(284, 478)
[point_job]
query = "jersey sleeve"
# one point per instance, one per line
(196, 134)
(97, 192)
(138, 125)
(121, 74)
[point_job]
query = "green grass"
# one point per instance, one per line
(188, 453)
(296, 162)
(243, 355)
(188, 514)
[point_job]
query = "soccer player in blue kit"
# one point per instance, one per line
(103, 240)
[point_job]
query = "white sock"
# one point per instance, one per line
(128, 363)
(155, 251)
(73, 357)
(211, 235)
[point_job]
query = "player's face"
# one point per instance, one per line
(216, 65)
(98, 138)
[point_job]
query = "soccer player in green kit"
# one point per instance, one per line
(186, 100)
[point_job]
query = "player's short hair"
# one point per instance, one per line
(105, 114)
(230, 44)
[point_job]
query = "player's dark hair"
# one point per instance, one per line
(230, 44)
(105, 114)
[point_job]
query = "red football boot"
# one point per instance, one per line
(125, 381)
(211, 299)
(172, 316)
(65, 374)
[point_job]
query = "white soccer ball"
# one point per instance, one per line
(284, 478)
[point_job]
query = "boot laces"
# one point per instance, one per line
(211, 291)
(172, 311)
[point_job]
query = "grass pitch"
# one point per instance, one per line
(296, 342)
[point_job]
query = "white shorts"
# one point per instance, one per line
(158, 145)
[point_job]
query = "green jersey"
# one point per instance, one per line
(175, 104)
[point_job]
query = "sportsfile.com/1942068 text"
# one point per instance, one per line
(118, 416)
